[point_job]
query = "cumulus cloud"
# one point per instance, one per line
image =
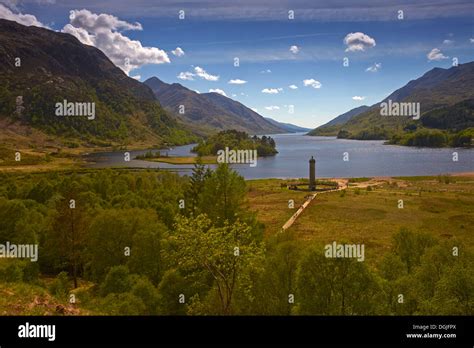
(471, 40)
(272, 90)
(436, 54)
(104, 31)
(374, 68)
(358, 42)
(293, 86)
(312, 82)
(186, 76)
(25, 19)
(237, 82)
(199, 72)
(356, 97)
(294, 49)
(447, 42)
(272, 107)
(219, 91)
(178, 52)
(204, 75)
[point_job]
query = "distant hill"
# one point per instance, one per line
(289, 127)
(441, 93)
(210, 110)
(55, 67)
(329, 129)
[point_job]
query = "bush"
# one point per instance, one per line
(12, 271)
(60, 286)
(116, 281)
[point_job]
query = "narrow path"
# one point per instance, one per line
(305, 204)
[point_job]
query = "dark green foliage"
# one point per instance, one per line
(117, 281)
(236, 140)
(60, 287)
(454, 118)
(190, 255)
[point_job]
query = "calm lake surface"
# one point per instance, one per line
(366, 159)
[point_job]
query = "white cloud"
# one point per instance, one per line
(356, 97)
(293, 86)
(24, 19)
(199, 72)
(267, 71)
(447, 42)
(186, 76)
(204, 75)
(254, 109)
(436, 54)
(358, 42)
(219, 91)
(294, 49)
(137, 77)
(237, 82)
(272, 107)
(178, 52)
(312, 82)
(471, 40)
(374, 68)
(272, 90)
(104, 32)
(197, 91)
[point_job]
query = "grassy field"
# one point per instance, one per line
(441, 206)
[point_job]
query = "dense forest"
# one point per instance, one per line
(236, 140)
(154, 243)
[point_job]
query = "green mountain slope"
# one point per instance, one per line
(332, 127)
(437, 92)
(44, 67)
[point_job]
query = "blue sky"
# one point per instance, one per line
(260, 34)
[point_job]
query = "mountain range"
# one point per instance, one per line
(445, 94)
(332, 127)
(289, 127)
(40, 68)
(209, 110)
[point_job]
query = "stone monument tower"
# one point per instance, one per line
(312, 174)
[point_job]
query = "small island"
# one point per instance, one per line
(207, 150)
(236, 140)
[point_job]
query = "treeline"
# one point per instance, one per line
(236, 140)
(434, 138)
(415, 135)
(154, 243)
